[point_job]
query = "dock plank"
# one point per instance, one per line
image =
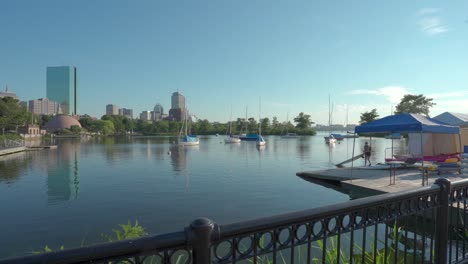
(355, 181)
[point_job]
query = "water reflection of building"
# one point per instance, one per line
(63, 178)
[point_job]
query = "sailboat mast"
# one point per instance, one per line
(260, 116)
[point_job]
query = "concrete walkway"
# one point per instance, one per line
(11, 150)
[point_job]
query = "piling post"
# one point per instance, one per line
(200, 235)
(441, 232)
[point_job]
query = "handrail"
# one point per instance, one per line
(204, 237)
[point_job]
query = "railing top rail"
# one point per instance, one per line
(105, 251)
(459, 184)
(268, 223)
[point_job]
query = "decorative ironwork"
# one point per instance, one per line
(427, 225)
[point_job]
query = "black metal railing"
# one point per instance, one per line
(425, 225)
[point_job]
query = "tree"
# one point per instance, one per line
(12, 114)
(303, 121)
(367, 117)
(415, 104)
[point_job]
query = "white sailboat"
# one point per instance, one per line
(187, 140)
(260, 140)
(229, 139)
(330, 139)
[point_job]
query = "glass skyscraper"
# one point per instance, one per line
(62, 87)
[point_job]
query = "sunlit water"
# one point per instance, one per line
(72, 195)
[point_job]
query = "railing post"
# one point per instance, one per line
(441, 232)
(200, 234)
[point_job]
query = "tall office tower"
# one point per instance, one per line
(44, 106)
(62, 87)
(178, 110)
(112, 109)
(178, 101)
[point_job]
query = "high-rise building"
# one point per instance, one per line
(128, 113)
(178, 110)
(158, 112)
(145, 115)
(158, 109)
(177, 101)
(112, 109)
(44, 106)
(62, 87)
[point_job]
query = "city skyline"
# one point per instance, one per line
(292, 55)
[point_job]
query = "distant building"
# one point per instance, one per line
(7, 93)
(60, 122)
(29, 130)
(177, 101)
(178, 110)
(62, 87)
(177, 114)
(158, 113)
(112, 109)
(128, 113)
(145, 115)
(44, 106)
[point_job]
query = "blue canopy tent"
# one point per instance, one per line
(407, 123)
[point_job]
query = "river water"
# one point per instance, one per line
(73, 195)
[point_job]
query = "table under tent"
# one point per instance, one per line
(427, 137)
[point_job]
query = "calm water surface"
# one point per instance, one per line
(72, 195)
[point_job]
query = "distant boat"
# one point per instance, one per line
(338, 136)
(248, 137)
(187, 139)
(288, 135)
(330, 140)
(260, 141)
(229, 138)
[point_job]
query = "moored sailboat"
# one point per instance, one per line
(187, 139)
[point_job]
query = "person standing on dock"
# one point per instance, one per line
(367, 153)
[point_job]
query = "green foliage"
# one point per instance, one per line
(47, 249)
(126, 231)
(12, 114)
(303, 121)
(415, 104)
(367, 117)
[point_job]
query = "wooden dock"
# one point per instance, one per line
(359, 182)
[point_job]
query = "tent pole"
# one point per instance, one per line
(392, 146)
(352, 161)
(422, 158)
(460, 142)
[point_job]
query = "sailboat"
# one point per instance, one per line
(260, 140)
(187, 140)
(245, 136)
(330, 139)
(229, 137)
(288, 135)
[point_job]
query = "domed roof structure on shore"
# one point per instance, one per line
(60, 122)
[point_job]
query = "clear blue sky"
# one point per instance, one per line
(292, 54)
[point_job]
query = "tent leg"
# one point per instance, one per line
(422, 159)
